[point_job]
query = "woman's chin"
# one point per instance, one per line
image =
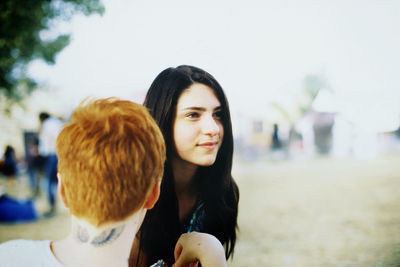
(205, 162)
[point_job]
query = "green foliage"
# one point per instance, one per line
(304, 100)
(282, 110)
(312, 84)
(392, 257)
(20, 42)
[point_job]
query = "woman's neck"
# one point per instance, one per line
(183, 173)
(108, 245)
(185, 188)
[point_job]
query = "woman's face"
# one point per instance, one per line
(197, 129)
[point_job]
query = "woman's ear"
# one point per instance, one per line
(153, 196)
(61, 192)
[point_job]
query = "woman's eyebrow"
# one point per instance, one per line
(217, 108)
(194, 108)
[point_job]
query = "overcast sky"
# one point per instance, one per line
(258, 50)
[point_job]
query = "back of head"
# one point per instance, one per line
(109, 157)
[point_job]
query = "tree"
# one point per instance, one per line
(20, 42)
(312, 84)
(303, 101)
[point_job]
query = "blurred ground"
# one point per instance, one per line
(321, 212)
(45, 228)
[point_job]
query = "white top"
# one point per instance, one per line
(32, 253)
(49, 131)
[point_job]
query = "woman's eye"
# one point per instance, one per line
(192, 115)
(217, 115)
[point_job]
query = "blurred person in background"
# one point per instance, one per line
(34, 163)
(49, 130)
(10, 164)
(275, 139)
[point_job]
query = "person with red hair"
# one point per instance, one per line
(110, 164)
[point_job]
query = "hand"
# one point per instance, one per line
(195, 247)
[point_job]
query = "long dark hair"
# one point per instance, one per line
(216, 187)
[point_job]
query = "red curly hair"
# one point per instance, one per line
(110, 156)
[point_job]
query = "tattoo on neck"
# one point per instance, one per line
(107, 236)
(82, 234)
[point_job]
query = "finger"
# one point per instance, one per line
(180, 263)
(178, 251)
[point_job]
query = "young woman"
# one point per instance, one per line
(198, 192)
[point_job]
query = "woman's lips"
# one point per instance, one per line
(208, 145)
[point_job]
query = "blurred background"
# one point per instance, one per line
(313, 88)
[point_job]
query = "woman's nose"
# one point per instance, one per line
(210, 126)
